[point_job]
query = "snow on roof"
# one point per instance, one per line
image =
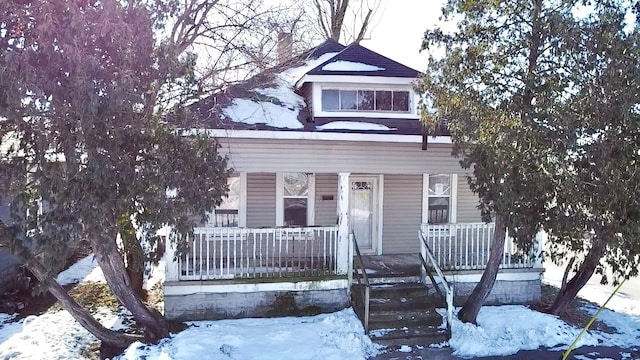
(357, 54)
(353, 125)
(342, 65)
(259, 112)
(277, 106)
(294, 74)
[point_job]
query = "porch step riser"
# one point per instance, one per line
(417, 335)
(398, 293)
(405, 322)
(388, 280)
(404, 304)
(402, 308)
(413, 341)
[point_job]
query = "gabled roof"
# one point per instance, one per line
(272, 100)
(358, 60)
(328, 46)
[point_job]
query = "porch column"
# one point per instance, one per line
(343, 253)
(425, 198)
(170, 263)
(538, 248)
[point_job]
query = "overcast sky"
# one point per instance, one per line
(399, 29)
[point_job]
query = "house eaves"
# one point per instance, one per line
(316, 135)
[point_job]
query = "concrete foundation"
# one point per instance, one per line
(503, 292)
(234, 305)
(512, 286)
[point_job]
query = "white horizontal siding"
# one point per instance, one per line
(327, 185)
(261, 200)
(316, 156)
(468, 211)
(402, 213)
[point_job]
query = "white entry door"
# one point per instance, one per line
(362, 212)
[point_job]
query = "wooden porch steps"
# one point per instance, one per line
(402, 313)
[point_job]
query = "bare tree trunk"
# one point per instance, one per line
(364, 28)
(112, 265)
(578, 281)
(472, 305)
(81, 315)
(331, 14)
(337, 18)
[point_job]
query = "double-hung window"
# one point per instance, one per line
(439, 199)
(295, 199)
(227, 213)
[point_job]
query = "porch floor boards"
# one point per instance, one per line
(391, 266)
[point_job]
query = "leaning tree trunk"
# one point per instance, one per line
(134, 254)
(81, 315)
(135, 265)
(578, 281)
(472, 305)
(112, 264)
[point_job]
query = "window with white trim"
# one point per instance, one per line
(365, 100)
(439, 199)
(295, 197)
(227, 213)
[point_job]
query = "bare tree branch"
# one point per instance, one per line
(365, 25)
(344, 18)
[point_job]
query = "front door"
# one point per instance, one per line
(362, 212)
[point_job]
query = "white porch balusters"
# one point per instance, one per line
(342, 252)
(219, 253)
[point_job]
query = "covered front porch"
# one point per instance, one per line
(231, 272)
(293, 236)
(228, 253)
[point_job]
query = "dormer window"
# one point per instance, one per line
(365, 100)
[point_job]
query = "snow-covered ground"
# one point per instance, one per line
(55, 334)
(85, 270)
(338, 336)
(501, 330)
(627, 300)
(505, 330)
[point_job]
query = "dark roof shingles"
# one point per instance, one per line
(359, 54)
(210, 114)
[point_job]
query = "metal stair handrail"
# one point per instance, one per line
(426, 257)
(366, 289)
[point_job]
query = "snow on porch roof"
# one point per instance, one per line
(354, 125)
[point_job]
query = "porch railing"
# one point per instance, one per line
(465, 246)
(363, 283)
(429, 262)
(227, 253)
